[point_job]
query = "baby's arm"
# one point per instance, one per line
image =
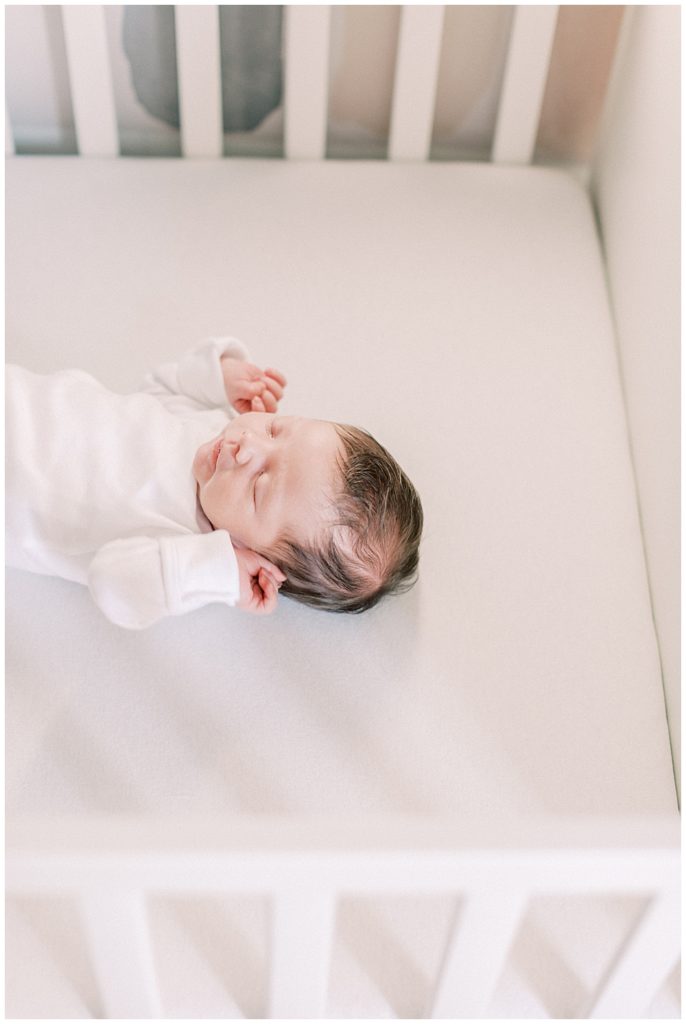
(136, 581)
(215, 375)
(196, 381)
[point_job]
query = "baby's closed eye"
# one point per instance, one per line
(254, 488)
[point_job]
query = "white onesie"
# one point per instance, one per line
(100, 490)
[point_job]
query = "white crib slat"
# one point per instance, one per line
(9, 137)
(526, 72)
(476, 952)
(302, 935)
(85, 37)
(198, 65)
(414, 88)
(117, 933)
(644, 962)
(307, 43)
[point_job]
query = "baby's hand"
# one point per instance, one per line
(250, 389)
(259, 582)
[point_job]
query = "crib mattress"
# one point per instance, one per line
(459, 313)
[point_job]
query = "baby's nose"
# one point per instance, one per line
(249, 449)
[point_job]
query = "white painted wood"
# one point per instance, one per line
(92, 95)
(306, 88)
(302, 935)
(118, 939)
(306, 863)
(198, 65)
(477, 952)
(414, 88)
(644, 962)
(526, 72)
(9, 137)
(337, 834)
(344, 871)
(339, 855)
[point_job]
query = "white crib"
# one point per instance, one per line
(464, 803)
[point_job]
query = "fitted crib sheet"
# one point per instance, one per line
(459, 313)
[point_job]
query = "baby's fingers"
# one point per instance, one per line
(269, 402)
(274, 384)
(272, 570)
(266, 593)
(277, 375)
(242, 405)
(242, 393)
(251, 387)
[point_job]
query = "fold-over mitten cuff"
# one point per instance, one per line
(200, 372)
(199, 569)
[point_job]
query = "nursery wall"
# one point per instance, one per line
(636, 185)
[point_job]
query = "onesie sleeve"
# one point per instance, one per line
(138, 580)
(196, 381)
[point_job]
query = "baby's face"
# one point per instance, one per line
(266, 475)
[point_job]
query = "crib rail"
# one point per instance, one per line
(307, 31)
(305, 866)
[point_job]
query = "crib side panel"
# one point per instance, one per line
(414, 89)
(306, 45)
(636, 189)
(85, 38)
(199, 72)
(189, 60)
(305, 866)
(526, 72)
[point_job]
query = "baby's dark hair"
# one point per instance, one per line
(371, 548)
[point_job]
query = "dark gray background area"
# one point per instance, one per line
(250, 40)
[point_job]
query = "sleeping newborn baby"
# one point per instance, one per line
(194, 489)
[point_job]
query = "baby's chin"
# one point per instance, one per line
(209, 518)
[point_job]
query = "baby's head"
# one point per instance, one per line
(323, 501)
